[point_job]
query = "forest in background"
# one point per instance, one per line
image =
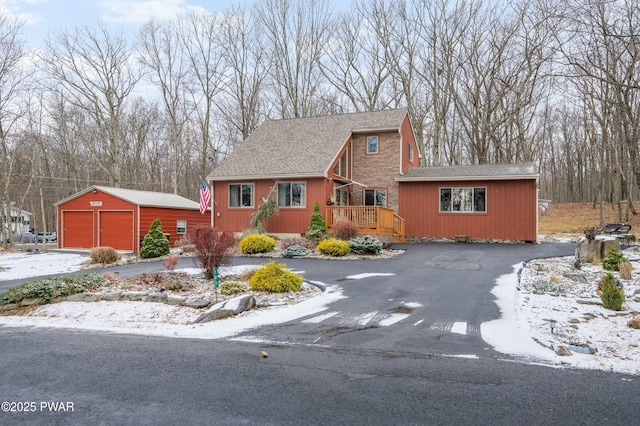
(553, 82)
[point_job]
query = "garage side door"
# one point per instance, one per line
(116, 230)
(78, 229)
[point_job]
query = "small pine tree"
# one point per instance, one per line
(612, 297)
(317, 226)
(155, 244)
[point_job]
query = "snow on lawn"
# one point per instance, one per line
(14, 266)
(598, 338)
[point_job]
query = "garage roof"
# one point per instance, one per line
(141, 198)
(474, 172)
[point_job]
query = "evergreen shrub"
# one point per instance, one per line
(317, 229)
(275, 278)
(365, 245)
(612, 261)
(154, 244)
(334, 247)
(232, 287)
(294, 251)
(51, 288)
(257, 243)
(611, 295)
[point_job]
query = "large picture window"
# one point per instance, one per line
(292, 194)
(466, 200)
(241, 195)
(375, 197)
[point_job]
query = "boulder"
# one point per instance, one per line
(594, 251)
(563, 351)
(227, 308)
(196, 303)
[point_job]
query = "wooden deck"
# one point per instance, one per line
(370, 219)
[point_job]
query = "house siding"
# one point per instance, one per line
(511, 212)
(92, 220)
(408, 139)
(293, 220)
(169, 218)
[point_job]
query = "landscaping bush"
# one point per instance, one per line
(213, 247)
(612, 297)
(365, 245)
(345, 230)
(51, 288)
(257, 243)
(154, 244)
(103, 255)
(625, 269)
(317, 229)
(232, 287)
(273, 277)
(334, 247)
(612, 261)
(294, 251)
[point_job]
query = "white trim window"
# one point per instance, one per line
(410, 155)
(375, 197)
(463, 200)
(240, 195)
(292, 194)
(373, 145)
(181, 227)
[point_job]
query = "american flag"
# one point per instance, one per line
(205, 196)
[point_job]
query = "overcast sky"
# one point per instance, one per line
(43, 16)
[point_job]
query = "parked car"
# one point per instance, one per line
(49, 237)
(26, 237)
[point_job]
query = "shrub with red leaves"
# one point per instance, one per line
(345, 230)
(213, 247)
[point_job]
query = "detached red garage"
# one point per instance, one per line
(120, 218)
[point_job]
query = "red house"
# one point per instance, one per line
(364, 167)
(120, 218)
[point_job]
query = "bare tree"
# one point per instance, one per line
(200, 35)
(12, 87)
(93, 70)
(163, 54)
(603, 47)
(296, 33)
(354, 63)
(245, 73)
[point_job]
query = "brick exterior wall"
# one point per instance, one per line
(377, 171)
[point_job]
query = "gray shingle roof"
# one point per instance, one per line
(475, 172)
(142, 198)
(302, 147)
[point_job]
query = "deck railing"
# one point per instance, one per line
(370, 219)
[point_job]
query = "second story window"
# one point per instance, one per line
(372, 145)
(411, 153)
